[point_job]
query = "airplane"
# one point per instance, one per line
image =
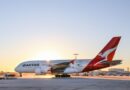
(63, 68)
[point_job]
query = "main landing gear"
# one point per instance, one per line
(62, 76)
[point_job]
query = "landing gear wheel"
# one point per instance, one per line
(20, 74)
(62, 76)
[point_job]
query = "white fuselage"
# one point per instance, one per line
(44, 66)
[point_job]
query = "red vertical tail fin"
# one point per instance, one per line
(107, 53)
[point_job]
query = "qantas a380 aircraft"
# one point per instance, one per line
(62, 68)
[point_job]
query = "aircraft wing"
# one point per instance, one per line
(60, 67)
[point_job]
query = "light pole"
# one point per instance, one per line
(76, 55)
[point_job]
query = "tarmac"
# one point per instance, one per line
(64, 84)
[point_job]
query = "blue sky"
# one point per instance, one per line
(28, 27)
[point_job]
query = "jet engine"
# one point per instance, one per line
(71, 70)
(42, 70)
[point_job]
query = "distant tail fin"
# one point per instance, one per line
(107, 53)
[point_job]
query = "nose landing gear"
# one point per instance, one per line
(20, 74)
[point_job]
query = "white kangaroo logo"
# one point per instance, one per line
(105, 54)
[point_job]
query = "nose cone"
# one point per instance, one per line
(17, 69)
